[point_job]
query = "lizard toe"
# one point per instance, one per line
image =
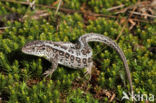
(47, 73)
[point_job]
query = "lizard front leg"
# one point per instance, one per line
(54, 61)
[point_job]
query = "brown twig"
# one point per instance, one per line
(115, 7)
(121, 32)
(145, 21)
(61, 9)
(58, 7)
(132, 6)
(112, 97)
(40, 5)
(73, 11)
(137, 13)
(2, 28)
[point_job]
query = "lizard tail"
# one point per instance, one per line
(89, 37)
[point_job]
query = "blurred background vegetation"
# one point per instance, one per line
(131, 23)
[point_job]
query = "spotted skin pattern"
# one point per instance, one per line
(76, 56)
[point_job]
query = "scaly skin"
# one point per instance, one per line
(76, 56)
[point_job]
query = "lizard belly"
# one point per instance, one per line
(74, 58)
(70, 64)
(77, 63)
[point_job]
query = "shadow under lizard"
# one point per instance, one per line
(76, 56)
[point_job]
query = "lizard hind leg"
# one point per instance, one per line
(89, 70)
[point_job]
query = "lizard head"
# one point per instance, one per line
(36, 48)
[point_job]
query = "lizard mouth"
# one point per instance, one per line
(25, 50)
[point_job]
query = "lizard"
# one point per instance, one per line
(76, 56)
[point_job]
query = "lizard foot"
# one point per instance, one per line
(89, 70)
(48, 73)
(88, 74)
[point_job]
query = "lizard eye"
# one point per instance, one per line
(33, 48)
(43, 48)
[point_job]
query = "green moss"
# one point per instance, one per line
(21, 76)
(77, 96)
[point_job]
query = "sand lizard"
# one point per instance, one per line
(76, 56)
